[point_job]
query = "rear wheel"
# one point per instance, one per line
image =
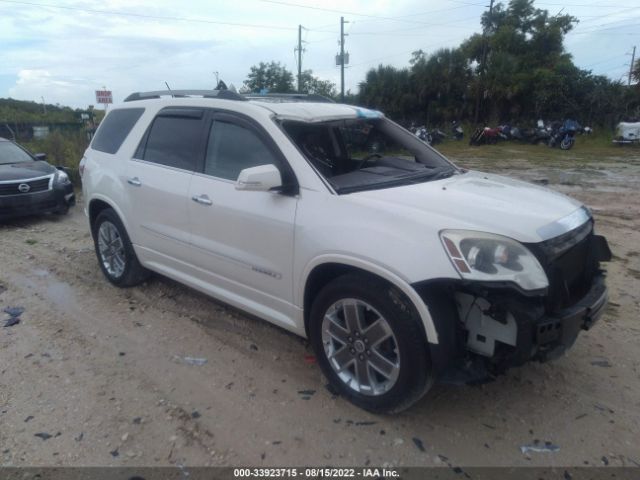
(370, 344)
(117, 259)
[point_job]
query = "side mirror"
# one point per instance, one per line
(260, 179)
(41, 156)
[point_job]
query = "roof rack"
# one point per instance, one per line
(288, 97)
(221, 94)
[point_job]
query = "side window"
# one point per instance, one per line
(172, 141)
(115, 128)
(233, 148)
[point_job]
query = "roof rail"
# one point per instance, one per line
(288, 97)
(221, 94)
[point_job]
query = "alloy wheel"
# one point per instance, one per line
(111, 249)
(361, 347)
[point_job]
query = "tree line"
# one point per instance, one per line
(516, 70)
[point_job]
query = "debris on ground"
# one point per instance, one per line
(601, 363)
(115, 453)
(13, 311)
(195, 361)
(11, 321)
(537, 447)
(310, 359)
(306, 394)
(43, 435)
(14, 316)
(418, 443)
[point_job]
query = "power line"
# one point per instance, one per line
(611, 59)
(607, 28)
(595, 5)
(400, 31)
(394, 55)
(599, 17)
(343, 12)
(151, 17)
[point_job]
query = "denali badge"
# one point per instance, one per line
(24, 188)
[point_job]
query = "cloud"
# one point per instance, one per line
(64, 54)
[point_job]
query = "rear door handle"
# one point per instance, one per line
(202, 200)
(135, 181)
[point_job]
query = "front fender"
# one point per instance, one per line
(373, 268)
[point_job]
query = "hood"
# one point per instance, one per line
(25, 170)
(483, 202)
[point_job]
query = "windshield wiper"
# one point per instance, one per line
(437, 173)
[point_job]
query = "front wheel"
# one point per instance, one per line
(370, 344)
(566, 143)
(117, 259)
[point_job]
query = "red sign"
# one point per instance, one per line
(104, 96)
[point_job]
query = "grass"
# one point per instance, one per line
(587, 150)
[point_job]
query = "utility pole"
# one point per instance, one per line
(342, 59)
(483, 66)
(633, 59)
(299, 58)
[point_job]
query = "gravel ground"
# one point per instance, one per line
(95, 375)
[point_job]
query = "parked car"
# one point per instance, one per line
(400, 267)
(627, 133)
(29, 185)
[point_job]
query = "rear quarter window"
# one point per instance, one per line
(114, 129)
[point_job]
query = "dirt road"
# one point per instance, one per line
(94, 375)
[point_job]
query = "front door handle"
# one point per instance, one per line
(135, 181)
(202, 200)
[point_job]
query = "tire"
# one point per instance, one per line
(123, 269)
(566, 143)
(406, 349)
(63, 210)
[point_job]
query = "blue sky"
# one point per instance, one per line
(66, 49)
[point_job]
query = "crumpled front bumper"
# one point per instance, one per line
(556, 333)
(529, 332)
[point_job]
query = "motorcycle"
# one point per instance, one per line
(564, 135)
(456, 130)
(422, 133)
(485, 136)
(437, 136)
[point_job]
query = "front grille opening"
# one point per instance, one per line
(570, 262)
(35, 186)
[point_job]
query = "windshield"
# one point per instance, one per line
(11, 153)
(366, 154)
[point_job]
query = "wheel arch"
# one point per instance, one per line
(321, 271)
(99, 203)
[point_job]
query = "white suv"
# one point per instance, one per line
(335, 223)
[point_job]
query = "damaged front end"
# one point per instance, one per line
(485, 327)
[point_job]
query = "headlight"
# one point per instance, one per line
(62, 177)
(489, 257)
